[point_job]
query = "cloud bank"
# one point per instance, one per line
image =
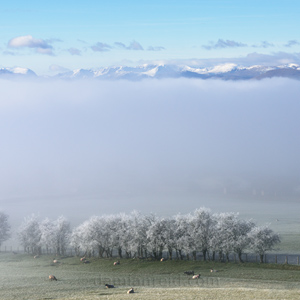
(134, 45)
(118, 146)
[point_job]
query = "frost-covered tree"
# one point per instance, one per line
(123, 234)
(34, 235)
(46, 228)
(201, 226)
(231, 234)
(147, 235)
(76, 240)
(108, 234)
(61, 235)
(169, 236)
(215, 238)
(30, 235)
(117, 230)
(81, 238)
(240, 234)
(104, 234)
(139, 225)
(4, 228)
(156, 236)
(183, 241)
(263, 239)
(55, 234)
(223, 238)
(97, 236)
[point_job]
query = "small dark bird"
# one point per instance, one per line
(109, 286)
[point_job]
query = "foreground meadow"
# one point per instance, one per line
(23, 277)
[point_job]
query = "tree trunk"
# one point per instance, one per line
(120, 252)
(220, 256)
(160, 252)
(261, 258)
(180, 254)
(213, 256)
(227, 257)
(194, 255)
(100, 251)
(204, 251)
(240, 257)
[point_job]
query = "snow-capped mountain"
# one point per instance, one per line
(228, 71)
(16, 72)
(225, 71)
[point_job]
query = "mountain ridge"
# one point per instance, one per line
(228, 71)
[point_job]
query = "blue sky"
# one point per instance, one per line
(53, 36)
(193, 142)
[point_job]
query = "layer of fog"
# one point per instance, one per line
(88, 148)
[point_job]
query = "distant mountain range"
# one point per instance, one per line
(225, 72)
(17, 72)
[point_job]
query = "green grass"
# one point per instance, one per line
(290, 243)
(23, 277)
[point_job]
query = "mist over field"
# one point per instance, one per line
(82, 148)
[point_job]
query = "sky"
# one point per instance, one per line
(56, 36)
(83, 148)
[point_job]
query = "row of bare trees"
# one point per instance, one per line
(137, 235)
(35, 235)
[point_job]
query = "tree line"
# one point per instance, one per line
(136, 235)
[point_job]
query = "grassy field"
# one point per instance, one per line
(285, 223)
(23, 277)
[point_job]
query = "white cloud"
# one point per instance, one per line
(263, 44)
(157, 48)
(47, 51)
(74, 51)
(292, 43)
(28, 41)
(223, 44)
(120, 45)
(135, 46)
(271, 59)
(132, 46)
(101, 47)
